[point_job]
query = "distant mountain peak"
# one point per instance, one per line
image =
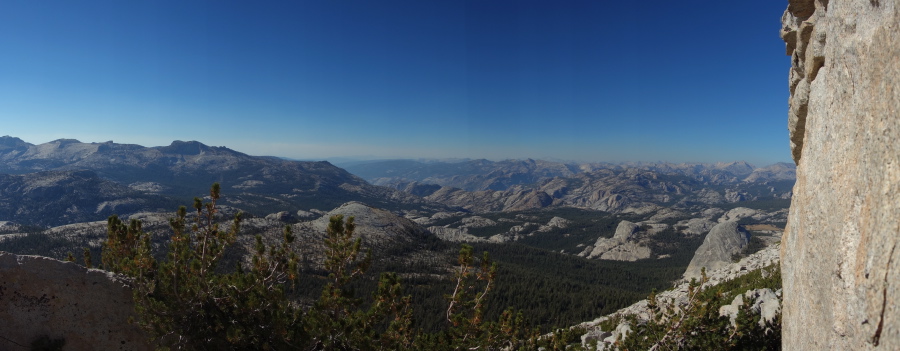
(184, 168)
(65, 141)
(189, 142)
(185, 147)
(7, 138)
(9, 141)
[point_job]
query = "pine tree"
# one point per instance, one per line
(185, 304)
(87, 258)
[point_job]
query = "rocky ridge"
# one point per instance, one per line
(379, 228)
(185, 169)
(382, 231)
(656, 233)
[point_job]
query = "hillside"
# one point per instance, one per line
(423, 260)
(471, 175)
(53, 198)
(592, 238)
(256, 184)
(477, 175)
(517, 185)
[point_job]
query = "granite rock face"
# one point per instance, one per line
(379, 229)
(840, 263)
(765, 302)
(695, 226)
(723, 241)
(43, 297)
(620, 247)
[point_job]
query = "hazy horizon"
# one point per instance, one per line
(371, 158)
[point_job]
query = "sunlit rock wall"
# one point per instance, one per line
(840, 261)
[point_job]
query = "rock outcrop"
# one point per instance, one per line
(87, 308)
(620, 247)
(840, 262)
(762, 299)
(454, 235)
(723, 241)
(737, 214)
(765, 302)
(695, 226)
(379, 228)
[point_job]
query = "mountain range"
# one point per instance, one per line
(513, 185)
(86, 179)
(641, 222)
(476, 175)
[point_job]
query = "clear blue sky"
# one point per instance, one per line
(577, 80)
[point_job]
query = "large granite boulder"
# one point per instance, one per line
(721, 244)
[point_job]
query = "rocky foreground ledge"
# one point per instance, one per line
(765, 300)
(44, 298)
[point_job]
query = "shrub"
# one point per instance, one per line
(185, 302)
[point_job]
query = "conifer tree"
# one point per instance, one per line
(186, 303)
(87, 258)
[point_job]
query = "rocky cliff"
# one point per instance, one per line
(44, 298)
(840, 265)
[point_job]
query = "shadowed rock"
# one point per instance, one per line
(44, 297)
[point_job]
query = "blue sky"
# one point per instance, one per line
(694, 81)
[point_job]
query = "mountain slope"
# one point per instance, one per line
(473, 175)
(185, 169)
(59, 197)
(479, 175)
(617, 190)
